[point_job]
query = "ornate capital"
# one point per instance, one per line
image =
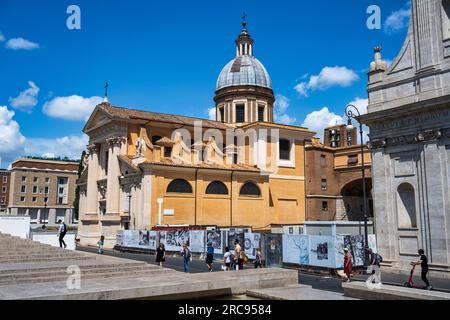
(376, 144)
(93, 148)
(116, 141)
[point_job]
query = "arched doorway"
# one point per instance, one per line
(352, 199)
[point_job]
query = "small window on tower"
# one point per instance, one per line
(261, 110)
(222, 115)
(285, 150)
(240, 113)
(167, 152)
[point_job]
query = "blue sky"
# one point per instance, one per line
(166, 56)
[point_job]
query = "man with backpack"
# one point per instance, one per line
(374, 269)
(186, 256)
(62, 233)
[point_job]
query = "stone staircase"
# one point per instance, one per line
(24, 261)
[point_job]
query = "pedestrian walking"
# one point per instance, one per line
(259, 259)
(374, 269)
(423, 262)
(238, 255)
(210, 256)
(227, 259)
(161, 254)
(100, 244)
(348, 266)
(186, 256)
(62, 233)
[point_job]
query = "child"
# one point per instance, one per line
(227, 258)
(100, 244)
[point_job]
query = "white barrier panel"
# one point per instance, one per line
(15, 226)
(53, 240)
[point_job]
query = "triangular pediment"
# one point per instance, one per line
(98, 118)
(404, 60)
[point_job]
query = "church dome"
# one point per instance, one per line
(244, 70)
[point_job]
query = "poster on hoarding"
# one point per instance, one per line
(217, 239)
(296, 249)
(355, 245)
(252, 243)
(174, 240)
(322, 251)
(273, 250)
(130, 238)
(197, 241)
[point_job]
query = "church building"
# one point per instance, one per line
(145, 169)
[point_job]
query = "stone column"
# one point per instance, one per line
(113, 186)
(92, 188)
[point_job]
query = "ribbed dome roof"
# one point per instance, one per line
(244, 70)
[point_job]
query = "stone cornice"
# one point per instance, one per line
(420, 137)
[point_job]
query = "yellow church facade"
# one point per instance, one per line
(145, 169)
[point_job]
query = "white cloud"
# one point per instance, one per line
(21, 44)
(317, 121)
(69, 146)
(74, 108)
(2, 37)
(398, 20)
(327, 78)
(212, 114)
(11, 139)
(281, 106)
(27, 99)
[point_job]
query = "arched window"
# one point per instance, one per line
(179, 186)
(406, 207)
(217, 187)
(155, 139)
(250, 189)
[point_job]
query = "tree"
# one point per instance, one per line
(76, 201)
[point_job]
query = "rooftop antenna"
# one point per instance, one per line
(105, 99)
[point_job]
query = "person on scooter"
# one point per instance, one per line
(423, 262)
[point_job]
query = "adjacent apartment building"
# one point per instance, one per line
(43, 189)
(334, 177)
(4, 190)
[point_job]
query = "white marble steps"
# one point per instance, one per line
(360, 290)
(173, 285)
(296, 292)
(96, 273)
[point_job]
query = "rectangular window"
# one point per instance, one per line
(261, 110)
(34, 199)
(222, 115)
(60, 200)
(323, 161)
(5, 179)
(24, 179)
(324, 205)
(45, 199)
(22, 199)
(167, 152)
(23, 189)
(324, 185)
(240, 113)
(352, 159)
(47, 180)
(3, 189)
(285, 150)
(35, 179)
(35, 189)
(46, 190)
(61, 190)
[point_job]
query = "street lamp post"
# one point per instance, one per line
(45, 211)
(352, 112)
(129, 211)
